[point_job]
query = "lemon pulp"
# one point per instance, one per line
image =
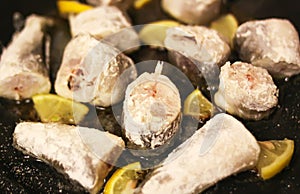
(197, 105)
(124, 180)
(227, 26)
(138, 4)
(54, 108)
(66, 7)
(275, 155)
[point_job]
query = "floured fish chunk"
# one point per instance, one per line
(68, 149)
(222, 147)
(106, 22)
(193, 11)
(246, 91)
(201, 45)
(99, 22)
(151, 110)
(91, 72)
(23, 68)
(272, 44)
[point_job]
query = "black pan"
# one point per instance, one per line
(23, 174)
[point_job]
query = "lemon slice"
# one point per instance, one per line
(154, 34)
(197, 105)
(69, 7)
(124, 180)
(53, 108)
(138, 4)
(227, 26)
(275, 155)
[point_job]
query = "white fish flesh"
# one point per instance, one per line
(272, 44)
(203, 46)
(69, 149)
(246, 91)
(23, 67)
(106, 22)
(222, 147)
(193, 11)
(151, 110)
(91, 72)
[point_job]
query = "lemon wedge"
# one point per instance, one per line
(227, 26)
(124, 180)
(275, 155)
(197, 105)
(138, 4)
(54, 108)
(71, 7)
(154, 34)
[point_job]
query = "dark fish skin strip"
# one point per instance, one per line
(59, 37)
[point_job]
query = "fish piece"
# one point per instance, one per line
(94, 71)
(246, 91)
(202, 46)
(84, 154)
(99, 22)
(106, 22)
(23, 67)
(193, 11)
(151, 110)
(222, 147)
(272, 44)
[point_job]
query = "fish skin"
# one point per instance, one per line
(23, 67)
(192, 169)
(63, 147)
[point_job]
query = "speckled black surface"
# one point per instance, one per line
(20, 173)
